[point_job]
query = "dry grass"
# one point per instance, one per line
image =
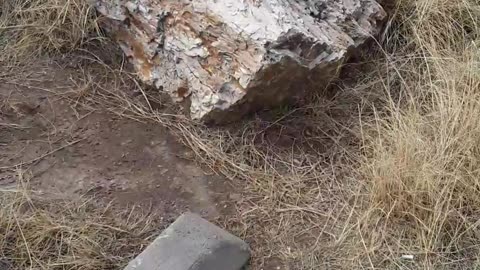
(387, 166)
(422, 149)
(32, 28)
(39, 233)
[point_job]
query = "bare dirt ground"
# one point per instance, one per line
(71, 151)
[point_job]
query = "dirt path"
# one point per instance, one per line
(69, 151)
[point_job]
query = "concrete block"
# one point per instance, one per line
(192, 243)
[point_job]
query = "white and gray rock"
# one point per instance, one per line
(192, 243)
(225, 58)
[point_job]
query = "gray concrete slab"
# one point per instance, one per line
(193, 243)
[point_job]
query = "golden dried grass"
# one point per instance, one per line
(38, 232)
(29, 29)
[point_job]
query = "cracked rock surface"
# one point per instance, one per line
(226, 58)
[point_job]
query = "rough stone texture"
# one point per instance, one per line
(192, 243)
(225, 58)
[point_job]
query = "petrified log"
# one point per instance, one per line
(225, 58)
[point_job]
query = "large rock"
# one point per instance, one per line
(225, 58)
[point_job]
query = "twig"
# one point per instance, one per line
(11, 125)
(107, 226)
(24, 240)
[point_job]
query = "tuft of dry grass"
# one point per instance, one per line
(29, 29)
(421, 150)
(39, 233)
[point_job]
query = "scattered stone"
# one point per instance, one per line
(192, 243)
